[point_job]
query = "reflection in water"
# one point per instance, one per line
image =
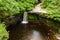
(31, 31)
(36, 36)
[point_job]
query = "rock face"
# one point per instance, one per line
(38, 9)
(51, 35)
(57, 36)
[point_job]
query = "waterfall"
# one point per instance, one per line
(25, 21)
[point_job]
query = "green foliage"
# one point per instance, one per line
(53, 12)
(3, 33)
(52, 7)
(54, 25)
(11, 7)
(8, 8)
(26, 4)
(48, 22)
(33, 16)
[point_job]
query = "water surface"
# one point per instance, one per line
(34, 30)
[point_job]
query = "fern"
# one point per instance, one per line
(52, 7)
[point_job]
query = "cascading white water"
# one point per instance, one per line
(25, 21)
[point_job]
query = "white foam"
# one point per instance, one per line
(24, 22)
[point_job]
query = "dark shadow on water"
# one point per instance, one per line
(25, 31)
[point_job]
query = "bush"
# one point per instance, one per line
(3, 33)
(52, 7)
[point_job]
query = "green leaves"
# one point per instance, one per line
(53, 11)
(25, 5)
(11, 7)
(52, 7)
(3, 33)
(8, 8)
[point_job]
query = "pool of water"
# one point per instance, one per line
(34, 30)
